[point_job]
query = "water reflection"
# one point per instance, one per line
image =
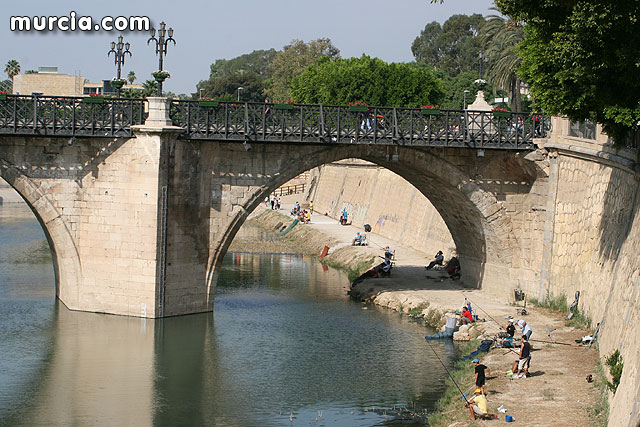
(283, 339)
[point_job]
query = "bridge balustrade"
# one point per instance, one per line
(319, 124)
(268, 122)
(70, 116)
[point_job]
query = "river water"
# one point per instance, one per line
(284, 346)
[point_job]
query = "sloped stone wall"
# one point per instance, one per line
(391, 205)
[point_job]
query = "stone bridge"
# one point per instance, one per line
(139, 224)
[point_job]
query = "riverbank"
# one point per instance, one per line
(556, 394)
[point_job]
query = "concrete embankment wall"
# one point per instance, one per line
(595, 249)
(376, 196)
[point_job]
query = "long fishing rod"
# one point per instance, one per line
(499, 324)
(554, 342)
(448, 373)
(548, 342)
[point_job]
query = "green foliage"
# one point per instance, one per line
(559, 304)
(226, 88)
(131, 77)
(614, 362)
(454, 87)
(553, 303)
(6, 86)
(365, 79)
(256, 62)
(292, 61)
(359, 268)
(581, 58)
(501, 38)
(450, 406)
(600, 410)
(12, 68)
(453, 47)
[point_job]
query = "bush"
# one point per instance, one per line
(614, 362)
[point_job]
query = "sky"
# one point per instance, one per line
(210, 30)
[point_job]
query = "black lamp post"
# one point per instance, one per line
(119, 51)
(161, 49)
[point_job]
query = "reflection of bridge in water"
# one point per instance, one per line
(282, 123)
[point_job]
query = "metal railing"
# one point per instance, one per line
(70, 116)
(287, 190)
(317, 124)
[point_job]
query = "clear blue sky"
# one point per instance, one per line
(206, 30)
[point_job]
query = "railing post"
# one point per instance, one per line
(35, 114)
(323, 132)
(246, 121)
(158, 112)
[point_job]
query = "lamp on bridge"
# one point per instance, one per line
(119, 50)
(161, 47)
(464, 99)
(239, 89)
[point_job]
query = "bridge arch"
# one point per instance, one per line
(66, 260)
(478, 222)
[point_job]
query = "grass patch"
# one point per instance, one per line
(559, 304)
(417, 311)
(450, 407)
(548, 394)
(600, 411)
(434, 318)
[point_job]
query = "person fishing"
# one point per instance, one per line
(438, 260)
(478, 405)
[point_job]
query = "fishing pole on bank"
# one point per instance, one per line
(448, 373)
(541, 341)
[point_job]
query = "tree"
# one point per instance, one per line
(149, 88)
(131, 77)
(226, 88)
(292, 60)
(501, 38)
(581, 58)
(256, 62)
(453, 47)
(365, 79)
(454, 87)
(12, 68)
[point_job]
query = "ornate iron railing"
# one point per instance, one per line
(266, 122)
(70, 116)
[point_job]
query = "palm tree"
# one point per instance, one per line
(501, 38)
(12, 68)
(131, 77)
(150, 87)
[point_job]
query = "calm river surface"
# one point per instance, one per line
(283, 339)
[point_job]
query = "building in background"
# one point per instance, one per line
(47, 81)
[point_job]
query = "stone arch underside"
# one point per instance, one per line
(66, 260)
(478, 224)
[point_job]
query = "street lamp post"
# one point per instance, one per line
(239, 89)
(464, 99)
(119, 50)
(161, 47)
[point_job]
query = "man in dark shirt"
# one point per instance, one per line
(480, 376)
(525, 358)
(511, 330)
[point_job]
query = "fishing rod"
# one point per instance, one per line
(553, 342)
(448, 373)
(548, 342)
(499, 324)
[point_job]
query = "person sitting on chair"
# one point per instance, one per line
(453, 268)
(388, 254)
(357, 241)
(439, 258)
